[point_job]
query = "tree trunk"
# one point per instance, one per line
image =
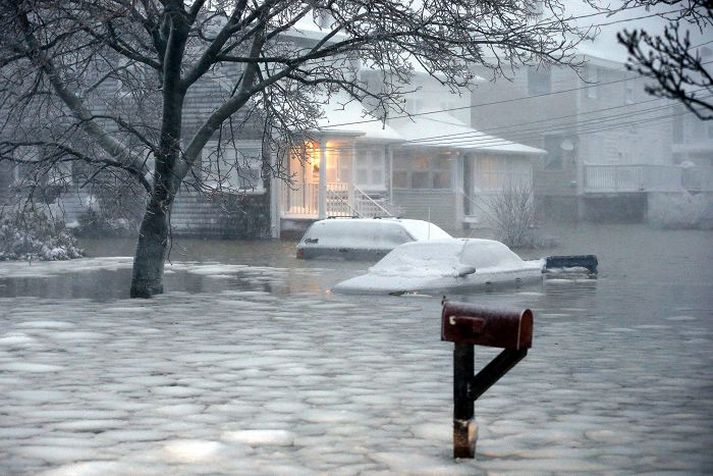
(151, 249)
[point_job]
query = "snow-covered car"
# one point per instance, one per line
(363, 238)
(444, 265)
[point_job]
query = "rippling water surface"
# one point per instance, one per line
(261, 370)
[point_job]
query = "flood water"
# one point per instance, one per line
(643, 273)
(620, 376)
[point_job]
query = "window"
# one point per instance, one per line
(500, 173)
(553, 158)
(629, 93)
(591, 79)
(539, 81)
(677, 128)
(370, 170)
(234, 169)
(414, 105)
(422, 172)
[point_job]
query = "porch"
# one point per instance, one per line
(334, 199)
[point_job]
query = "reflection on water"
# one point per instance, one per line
(266, 266)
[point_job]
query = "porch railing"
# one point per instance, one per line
(302, 200)
(366, 206)
(343, 200)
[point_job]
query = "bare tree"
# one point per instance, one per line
(671, 59)
(104, 82)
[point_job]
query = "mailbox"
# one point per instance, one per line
(467, 325)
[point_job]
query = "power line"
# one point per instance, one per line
(643, 17)
(512, 132)
(491, 103)
(507, 128)
(591, 127)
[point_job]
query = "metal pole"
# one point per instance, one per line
(464, 429)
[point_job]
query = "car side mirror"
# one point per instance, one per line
(464, 270)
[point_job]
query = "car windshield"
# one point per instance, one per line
(442, 256)
(422, 257)
(489, 254)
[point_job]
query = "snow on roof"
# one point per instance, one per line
(346, 116)
(439, 129)
(441, 256)
(371, 233)
(605, 48)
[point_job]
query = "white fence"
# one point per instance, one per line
(632, 178)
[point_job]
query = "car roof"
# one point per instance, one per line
(417, 229)
(436, 255)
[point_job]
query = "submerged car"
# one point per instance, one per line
(363, 238)
(444, 265)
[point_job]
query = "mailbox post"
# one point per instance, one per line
(467, 325)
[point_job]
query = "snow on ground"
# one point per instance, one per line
(251, 383)
(36, 269)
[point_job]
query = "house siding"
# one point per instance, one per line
(226, 217)
(438, 207)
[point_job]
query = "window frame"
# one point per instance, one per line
(409, 166)
(369, 160)
(238, 162)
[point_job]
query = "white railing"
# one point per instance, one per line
(343, 200)
(300, 200)
(631, 178)
(366, 206)
(339, 200)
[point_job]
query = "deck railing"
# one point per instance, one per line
(631, 178)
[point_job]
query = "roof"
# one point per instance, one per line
(439, 129)
(346, 116)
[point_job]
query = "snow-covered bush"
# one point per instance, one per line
(30, 233)
(112, 211)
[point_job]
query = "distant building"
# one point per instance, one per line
(609, 144)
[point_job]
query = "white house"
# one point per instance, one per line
(429, 165)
